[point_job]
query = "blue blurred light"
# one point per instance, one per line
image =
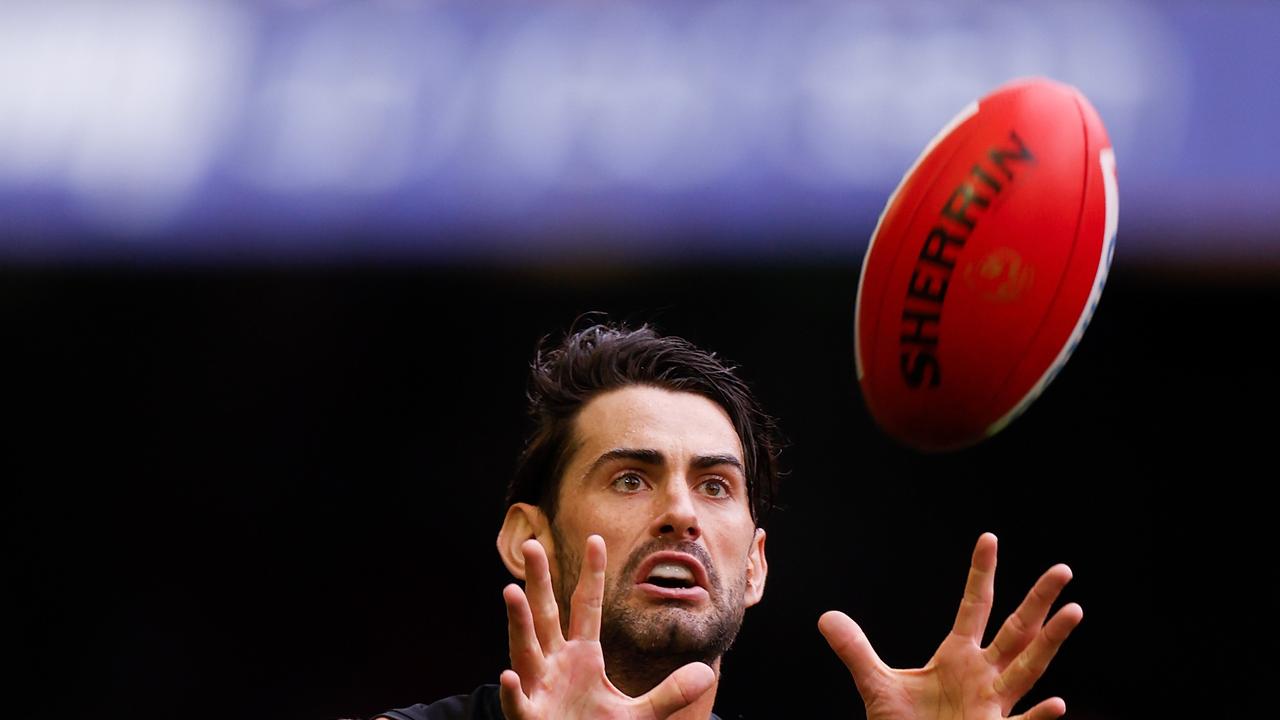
(743, 129)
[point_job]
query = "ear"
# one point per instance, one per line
(523, 522)
(757, 569)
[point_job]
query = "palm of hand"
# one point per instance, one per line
(574, 681)
(955, 684)
(963, 680)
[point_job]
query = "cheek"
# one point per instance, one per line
(736, 526)
(618, 528)
(734, 553)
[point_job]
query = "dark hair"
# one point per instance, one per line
(606, 357)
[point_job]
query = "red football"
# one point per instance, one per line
(986, 266)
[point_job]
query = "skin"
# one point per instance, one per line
(615, 510)
(964, 680)
(651, 469)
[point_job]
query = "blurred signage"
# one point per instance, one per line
(440, 130)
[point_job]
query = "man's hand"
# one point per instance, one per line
(964, 679)
(554, 678)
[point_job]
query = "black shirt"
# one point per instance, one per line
(483, 704)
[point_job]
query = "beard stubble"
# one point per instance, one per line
(642, 645)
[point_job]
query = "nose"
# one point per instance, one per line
(677, 518)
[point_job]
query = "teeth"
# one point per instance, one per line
(672, 571)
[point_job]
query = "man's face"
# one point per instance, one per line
(659, 475)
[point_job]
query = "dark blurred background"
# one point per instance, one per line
(271, 276)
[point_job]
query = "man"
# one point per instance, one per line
(635, 520)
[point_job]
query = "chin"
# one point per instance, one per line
(676, 628)
(670, 635)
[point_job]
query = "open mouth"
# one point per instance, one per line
(673, 574)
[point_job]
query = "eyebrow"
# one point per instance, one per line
(653, 457)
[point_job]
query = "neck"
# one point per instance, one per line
(637, 678)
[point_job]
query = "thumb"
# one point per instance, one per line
(512, 698)
(852, 646)
(680, 690)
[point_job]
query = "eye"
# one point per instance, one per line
(628, 483)
(715, 488)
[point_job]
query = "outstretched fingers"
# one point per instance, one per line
(1031, 663)
(680, 690)
(527, 658)
(542, 600)
(852, 646)
(1021, 627)
(979, 591)
(588, 597)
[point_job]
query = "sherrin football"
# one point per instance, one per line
(986, 266)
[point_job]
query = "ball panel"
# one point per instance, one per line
(872, 286)
(1084, 280)
(1055, 218)
(879, 314)
(1012, 264)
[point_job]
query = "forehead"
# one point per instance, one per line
(680, 424)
